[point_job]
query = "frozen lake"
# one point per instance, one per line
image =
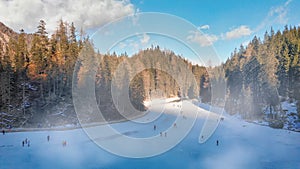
(241, 145)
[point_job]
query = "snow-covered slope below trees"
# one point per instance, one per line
(285, 118)
(241, 145)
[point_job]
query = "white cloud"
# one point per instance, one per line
(275, 15)
(204, 27)
(238, 32)
(202, 39)
(19, 14)
(135, 43)
(280, 13)
(145, 39)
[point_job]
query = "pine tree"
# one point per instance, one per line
(73, 51)
(62, 57)
(40, 57)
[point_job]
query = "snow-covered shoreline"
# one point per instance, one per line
(241, 145)
(78, 126)
(70, 126)
(147, 103)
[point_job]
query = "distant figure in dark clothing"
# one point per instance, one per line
(3, 131)
(154, 127)
(217, 142)
(48, 138)
(64, 143)
(23, 143)
(28, 143)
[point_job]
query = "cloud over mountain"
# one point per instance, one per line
(20, 14)
(238, 32)
(202, 39)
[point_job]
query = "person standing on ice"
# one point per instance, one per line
(23, 143)
(154, 127)
(48, 138)
(3, 131)
(64, 143)
(28, 143)
(217, 142)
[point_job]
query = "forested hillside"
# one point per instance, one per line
(263, 74)
(36, 72)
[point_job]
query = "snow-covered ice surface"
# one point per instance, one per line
(242, 145)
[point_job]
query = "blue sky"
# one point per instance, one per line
(243, 19)
(223, 24)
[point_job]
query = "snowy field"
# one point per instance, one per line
(242, 145)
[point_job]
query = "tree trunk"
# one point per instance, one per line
(23, 91)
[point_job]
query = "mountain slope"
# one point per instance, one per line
(5, 34)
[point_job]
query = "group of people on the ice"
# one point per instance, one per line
(165, 133)
(161, 134)
(26, 142)
(63, 143)
(179, 106)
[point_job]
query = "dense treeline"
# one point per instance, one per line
(151, 73)
(36, 72)
(263, 74)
